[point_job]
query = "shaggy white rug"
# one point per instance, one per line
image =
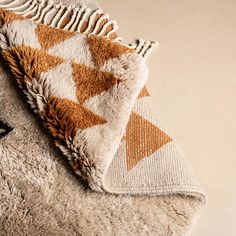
(40, 196)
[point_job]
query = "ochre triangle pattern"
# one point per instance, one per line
(144, 93)
(7, 17)
(65, 117)
(142, 139)
(103, 49)
(28, 63)
(87, 86)
(48, 37)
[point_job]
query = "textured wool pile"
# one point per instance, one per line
(87, 88)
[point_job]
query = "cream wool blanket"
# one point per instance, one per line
(87, 86)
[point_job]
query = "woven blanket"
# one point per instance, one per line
(87, 87)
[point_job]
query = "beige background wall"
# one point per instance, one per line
(193, 83)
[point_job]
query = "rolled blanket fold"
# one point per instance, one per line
(83, 83)
(88, 87)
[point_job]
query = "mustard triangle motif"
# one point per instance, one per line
(26, 62)
(142, 139)
(7, 17)
(48, 36)
(144, 93)
(91, 81)
(64, 117)
(103, 49)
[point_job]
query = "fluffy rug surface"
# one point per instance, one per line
(87, 86)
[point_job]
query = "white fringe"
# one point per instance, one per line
(38, 12)
(70, 23)
(47, 12)
(104, 28)
(18, 8)
(52, 14)
(65, 14)
(56, 18)
(92, 20)
(76, 19)
(30, 10)
(83, 19)
(43, 13)
(46, 17)
(144, 48)
(31, 7)
(8, 5)
(112, 31)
